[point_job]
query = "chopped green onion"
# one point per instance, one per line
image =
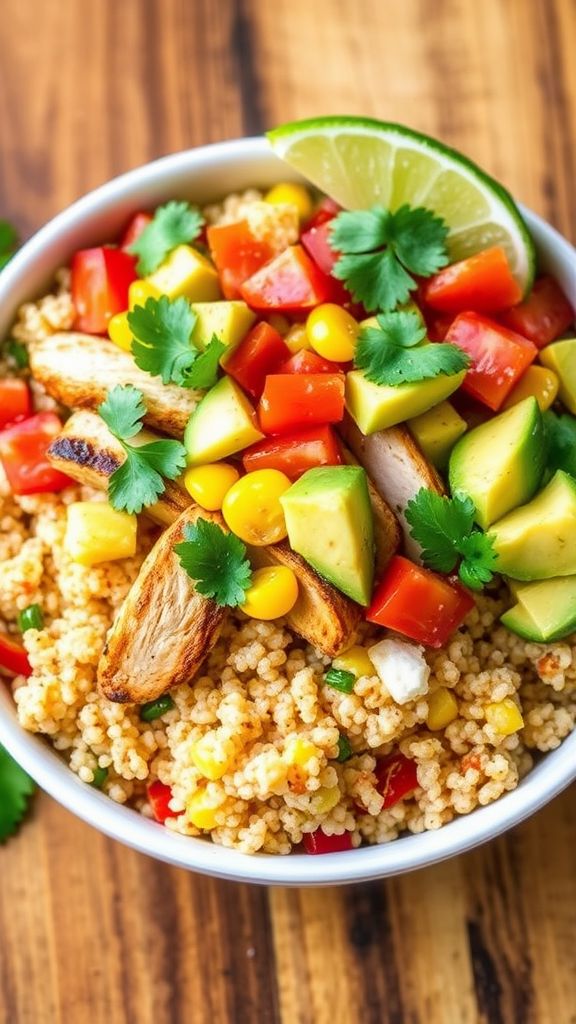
(100, 776)
(344, 748)
(30, 618)
(18, 353)
(156, 708)
(340, 679)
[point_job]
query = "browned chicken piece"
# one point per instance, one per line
(79, 370)
(387, 535)
(164, 629)
(397, 468)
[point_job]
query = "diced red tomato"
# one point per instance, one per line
(318, 842)
(100, 281)
(483, 283)
(294, 454)
(135, 228)
(419, 603)
(13, 657)
(292, 400)
(159, 797)
(437, 324)
(397, 778)
(291, 281)
(316, 241)
(543, 316)
(262, 352)
(237, 253)
(14, 400)
(326, 210)
(23, 449)
(499, 357)
(306, 361)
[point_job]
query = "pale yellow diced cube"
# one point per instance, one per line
(96, 532)
(186, 272)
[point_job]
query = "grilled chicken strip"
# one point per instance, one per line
(164, 629)
(78, 370)
(397, 467)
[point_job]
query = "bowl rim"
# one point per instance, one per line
(548, 778)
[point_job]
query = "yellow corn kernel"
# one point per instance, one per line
(536, 381)
(299, 751)
(272, 593)
(442, 709)
(96, 532)
(210, 756)
(296, 339)
(208, 485)
(139, 291)
(332, 332)
(186, 272)
(119, 332)
(252, 508)
(291, 192)
(355, 660)
(504, 716)
(325, 799)
(279, 323)
(202, 808)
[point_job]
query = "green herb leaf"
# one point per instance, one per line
(100, 776)
(444, 528)
(380, 251)
(340, 679)
(216, 561)
(123, 411)
(203, 373)
(478, 560)
(392, 354)
(156, 708)
(162, 329)
(173, 224)
(17, 352)
(30, 617)
(16, 788)
(344, 749)
(8, 242)
(560, 434)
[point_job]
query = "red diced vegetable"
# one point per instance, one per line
(396, 777)
(260, 353)
(159, 797)
(306, 361)
(292, 400)
(100, 281)
(316, 241)
(326, 210)
(419, 603)
(483, 283)
(135, 228)
(543, 316)
(499, 357)
(318, 842)
(294, 454)
(14, 400)
(13, 657)
(23, 449)
(291, 281)
(237, 253)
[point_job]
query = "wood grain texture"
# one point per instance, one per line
(89, 931)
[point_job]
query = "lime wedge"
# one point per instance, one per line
(360, 162)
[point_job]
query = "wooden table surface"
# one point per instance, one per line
(90, 931)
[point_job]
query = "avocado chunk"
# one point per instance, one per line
(329, 523)
(538, 540)
(186, 272)
(223, 423)
(545, 611)
(230, 321)
(377, 406)
(437, 431)
(500, 463)
(561, 357)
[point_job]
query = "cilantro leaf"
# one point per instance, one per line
(8, 242)
(444, 528)
(134, 485)
(204, 370)
(216, 561)
(173, 224)
(123, 411)
(162, 329)
(392, 354)
(560, 434)
(380, 251)
(16, 788)
(478, 560)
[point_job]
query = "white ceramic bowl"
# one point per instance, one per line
(203, 175)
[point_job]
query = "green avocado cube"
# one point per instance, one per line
(437, 431)
(377, 406)
(223, 423)
(561, 357)
(538, 541)
(545, 611)
(230, 321)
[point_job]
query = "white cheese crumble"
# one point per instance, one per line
(402, 668)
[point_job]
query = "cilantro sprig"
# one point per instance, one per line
(16, 789)
(140, 480)
(216, 561)
(381, 251)
(173, 224)
(392, 353)
(444, 528)
(162, 346)
(8, 242)
(560, 438)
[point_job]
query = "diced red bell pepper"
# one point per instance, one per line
(316, 241)
(326, 210)
(262, 352)
(483, 283)
(437, 324)
(13, 657)
(291, 281)
(100, 281)
(306, 361)
(159, 797)
(237, 253)
(134, 229)
(499, 357)
(318, 842)
(294, 454)
(23, 449)
(543, 316)
(14, 400)
(292, 400)
(419, 603)
(397, 778)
